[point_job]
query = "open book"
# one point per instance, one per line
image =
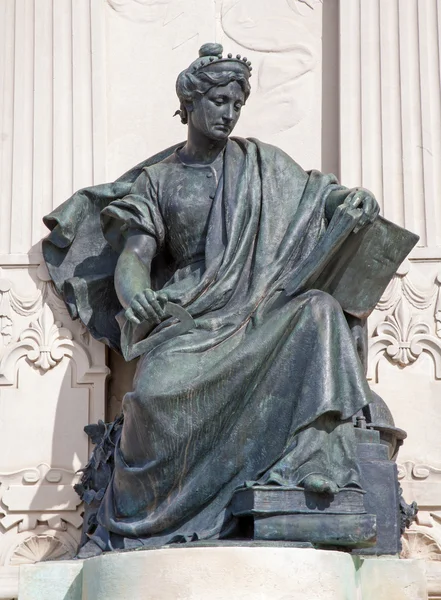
(355, 268)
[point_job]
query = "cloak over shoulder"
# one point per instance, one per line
(80, 261)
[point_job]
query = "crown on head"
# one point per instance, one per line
(211, 55)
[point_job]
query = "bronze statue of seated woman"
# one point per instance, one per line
(207, 256)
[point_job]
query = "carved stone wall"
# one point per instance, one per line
(52, 375)
(88, 91)
(405, 369)
(158, 39)
(390, 116)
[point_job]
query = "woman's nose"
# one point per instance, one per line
(228, 113)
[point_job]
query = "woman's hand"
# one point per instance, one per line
(364, 200)
(146, 306)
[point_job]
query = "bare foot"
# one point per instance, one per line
(319, 484)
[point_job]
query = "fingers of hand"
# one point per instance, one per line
(141, 312)
(162, 299)
(370, 208)
(130, 316)
(365, 200)
(377, 210)
(143, 309)
(152, 300)
(354, 199)
(147, 306)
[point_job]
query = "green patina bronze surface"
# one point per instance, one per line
(209, 261)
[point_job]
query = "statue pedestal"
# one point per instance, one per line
(232, 572)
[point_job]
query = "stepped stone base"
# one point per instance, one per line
(227, 572)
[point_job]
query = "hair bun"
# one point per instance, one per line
(210, 49)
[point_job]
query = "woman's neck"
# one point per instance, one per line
(199, 149)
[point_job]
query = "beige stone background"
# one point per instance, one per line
(87, 91)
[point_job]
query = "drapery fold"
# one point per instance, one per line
(229, 401)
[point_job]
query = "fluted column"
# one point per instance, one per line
(391, 109)
(52, 110)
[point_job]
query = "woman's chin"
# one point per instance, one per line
(219, 134)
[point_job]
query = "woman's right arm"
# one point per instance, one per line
(132, 279)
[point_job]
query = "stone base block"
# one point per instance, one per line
(57, 580)
(228, 572)
(9, 582)
(386, 578)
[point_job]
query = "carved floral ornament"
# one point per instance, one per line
(44, 342)
(47, 340)
(10, 303)
(412, 325)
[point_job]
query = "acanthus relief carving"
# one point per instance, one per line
(411, 325)
(420, 299)
(10, 303)
(43, 341)
(47, 340)
(404, 337)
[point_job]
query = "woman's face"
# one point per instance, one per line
(216, 113)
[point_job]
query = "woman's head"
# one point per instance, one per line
(230, 76)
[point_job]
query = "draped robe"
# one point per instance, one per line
(263, 388)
